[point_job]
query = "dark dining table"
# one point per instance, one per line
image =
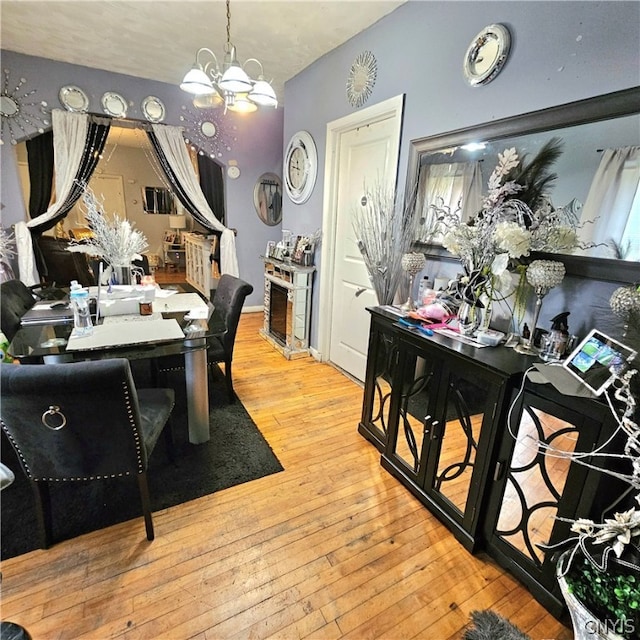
(49, 343)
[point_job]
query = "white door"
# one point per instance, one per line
(107, 188)
(367, 154)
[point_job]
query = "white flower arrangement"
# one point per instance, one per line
(114, 239)
(515, 220)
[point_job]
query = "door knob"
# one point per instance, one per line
(359, 292)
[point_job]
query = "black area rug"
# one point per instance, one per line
(488, 625)
(236, 453)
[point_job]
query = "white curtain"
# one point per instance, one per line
(69, 138)
(173, 146)
(452, 185)
(611, 195)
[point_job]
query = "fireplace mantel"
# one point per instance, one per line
(287, 307)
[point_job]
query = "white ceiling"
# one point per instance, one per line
(158, 39)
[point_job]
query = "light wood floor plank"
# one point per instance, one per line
(332, 547)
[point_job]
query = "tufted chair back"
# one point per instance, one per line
(81, 421)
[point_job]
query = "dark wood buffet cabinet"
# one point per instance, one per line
(465, 430)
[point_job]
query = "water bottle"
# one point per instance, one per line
(79, 298)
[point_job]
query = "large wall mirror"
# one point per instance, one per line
(587, 129)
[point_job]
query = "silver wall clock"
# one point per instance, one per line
(487, 55)
(362, 77)
(300, 167)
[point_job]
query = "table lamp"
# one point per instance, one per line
(178, 222)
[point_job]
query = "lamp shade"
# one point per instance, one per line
(263, 94)
(235, 80)
(196, 81)
(177, 222)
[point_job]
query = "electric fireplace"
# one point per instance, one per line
(287, 307)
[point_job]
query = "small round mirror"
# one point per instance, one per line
(8, 107)
(267, 198)
(208, 129)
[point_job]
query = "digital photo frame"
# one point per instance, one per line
(598, 360)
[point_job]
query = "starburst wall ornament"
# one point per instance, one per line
(21, 115)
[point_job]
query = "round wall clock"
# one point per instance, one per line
(300, 167)
(487, 54)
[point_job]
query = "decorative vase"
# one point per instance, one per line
(586, 625)
(469, 317)
(121, 274)
(486, 313)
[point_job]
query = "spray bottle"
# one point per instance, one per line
(555, 342)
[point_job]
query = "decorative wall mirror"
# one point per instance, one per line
(587, 128)
(267, 198)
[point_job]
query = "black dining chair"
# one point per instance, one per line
(82, 422)
(228, 300)
(15, 300)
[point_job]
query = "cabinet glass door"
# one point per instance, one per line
(535, 481)
(454, 439)
(416, 414)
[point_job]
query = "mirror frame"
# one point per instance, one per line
(604, 107)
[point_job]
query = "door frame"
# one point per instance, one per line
(391, 108)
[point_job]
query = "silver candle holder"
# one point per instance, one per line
(412, 263)
(542, 275)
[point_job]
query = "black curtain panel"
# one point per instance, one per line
(175, 183)
(94, 146)
(212, 183)
(40, 162)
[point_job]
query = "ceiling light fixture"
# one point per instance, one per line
(230, 86)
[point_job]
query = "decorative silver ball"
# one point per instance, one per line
(413, 263)
(543, 275)
(625, 300)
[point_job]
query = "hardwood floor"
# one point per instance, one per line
(332, 547)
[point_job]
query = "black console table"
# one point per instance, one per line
(442, 414)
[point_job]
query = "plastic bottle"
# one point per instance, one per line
(426, 294)
(79, 298)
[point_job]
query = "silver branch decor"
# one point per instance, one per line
(384, 232)
(114, 239)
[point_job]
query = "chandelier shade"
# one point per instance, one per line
(231, 84)
(197, 82)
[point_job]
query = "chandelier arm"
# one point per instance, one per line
(211, 64)
(248, 60)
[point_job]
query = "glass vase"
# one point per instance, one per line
(469, 317)
(121, 274)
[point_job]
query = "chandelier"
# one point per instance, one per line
(231, 85)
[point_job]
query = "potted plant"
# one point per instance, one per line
(599, 574)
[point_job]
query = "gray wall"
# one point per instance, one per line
(561, 52)
(255, 143)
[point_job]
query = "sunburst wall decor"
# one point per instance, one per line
(21, 114)
(212, 135)
(362, 77)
